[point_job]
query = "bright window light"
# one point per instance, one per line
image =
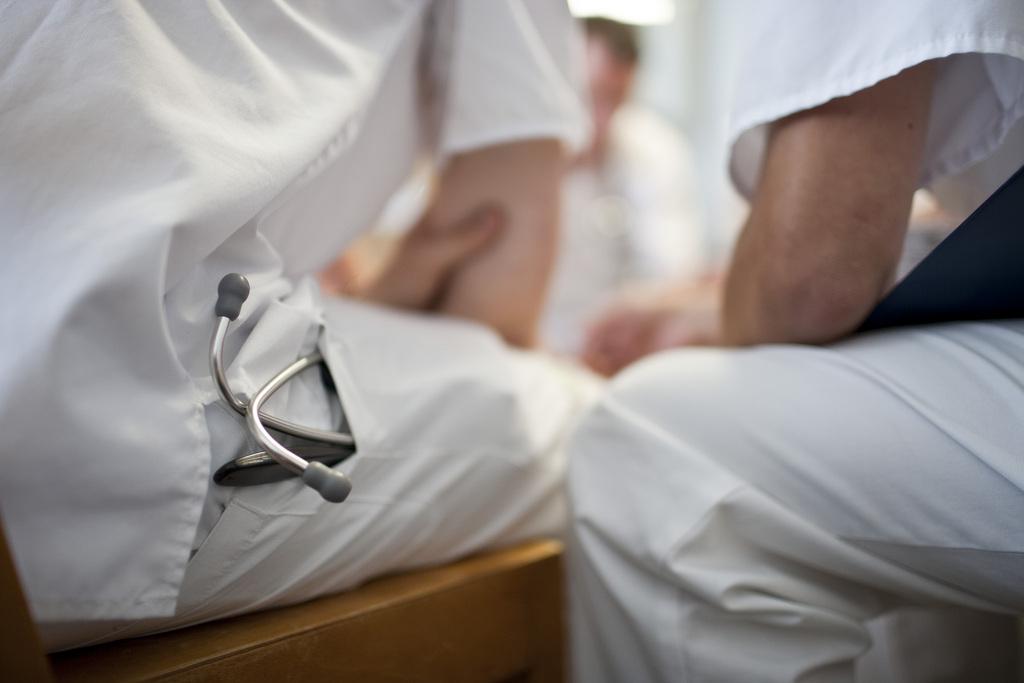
(643, 12)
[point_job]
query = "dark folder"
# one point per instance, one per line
(976, 273)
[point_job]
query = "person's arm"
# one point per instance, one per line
(828, 218)
(415, 275)
(484, 249)
(504, 284)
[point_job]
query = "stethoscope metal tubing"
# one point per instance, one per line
(224, 390)
(254, 419)
(220, 378)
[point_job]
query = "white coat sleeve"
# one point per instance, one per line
(803, 53)
(513, 75)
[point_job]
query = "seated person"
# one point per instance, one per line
(742, 513)
(148, 151)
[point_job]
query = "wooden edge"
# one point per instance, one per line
(21, 650)
(236, 635)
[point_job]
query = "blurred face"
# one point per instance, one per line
(611, 79)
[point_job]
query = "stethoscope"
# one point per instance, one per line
(275, 462)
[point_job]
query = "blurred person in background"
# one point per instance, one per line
(630, 216)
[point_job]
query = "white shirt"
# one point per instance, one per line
(632, 218)
(149, 150)
(809, 59)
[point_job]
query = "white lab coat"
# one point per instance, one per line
(741, 515)
(149, 149)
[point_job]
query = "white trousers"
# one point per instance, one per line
(740, 515)
(462, 446)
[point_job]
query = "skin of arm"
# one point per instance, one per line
(415, 275)
(504, 284)
(829, 215)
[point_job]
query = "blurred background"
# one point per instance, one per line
(649, 203)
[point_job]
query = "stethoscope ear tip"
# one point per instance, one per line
(333, 485)
(232, 292)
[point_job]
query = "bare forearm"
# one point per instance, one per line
(827, 222)
(504, 286)
(810, 292)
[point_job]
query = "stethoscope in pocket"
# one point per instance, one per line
(275, 462)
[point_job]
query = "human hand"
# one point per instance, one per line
(418, 270)
(630, 330)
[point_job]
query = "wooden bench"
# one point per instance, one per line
(496, 617)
